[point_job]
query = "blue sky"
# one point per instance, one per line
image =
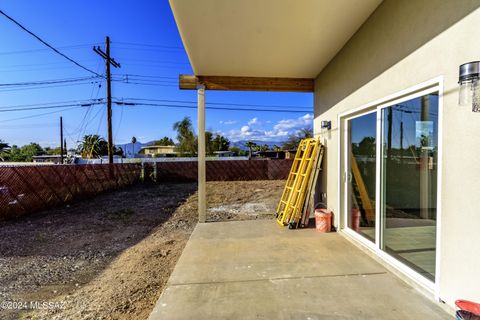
(408, 113)
(145, 41)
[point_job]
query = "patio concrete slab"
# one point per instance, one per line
(259, 270)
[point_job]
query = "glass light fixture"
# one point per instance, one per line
(469, 81)
(476, 96)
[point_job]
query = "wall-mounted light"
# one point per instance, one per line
(469, 81)
(326, 125)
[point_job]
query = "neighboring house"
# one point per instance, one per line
(384, 75)
(56, 159)
(222, 154)
(159, 151)
(280, 154)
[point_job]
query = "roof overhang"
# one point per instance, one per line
(266, 38)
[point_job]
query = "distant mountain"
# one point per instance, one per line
(241, 144)
(129, 147)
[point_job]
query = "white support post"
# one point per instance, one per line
(202, 194)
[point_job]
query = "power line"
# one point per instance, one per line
(45, 43)
(38, 64)
(46, 87)
(128, 75)
(51, 107)
(43, 82)
(147, 84)
(147, 45)
(126, 103)
(52, 103)
(40, 50)
(132, 101)
(38, 115)
(219, 103)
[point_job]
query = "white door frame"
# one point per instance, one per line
(433, 85)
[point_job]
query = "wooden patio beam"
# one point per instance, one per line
(192, 82)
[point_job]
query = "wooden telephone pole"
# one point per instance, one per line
(108, 61)
(61, 140)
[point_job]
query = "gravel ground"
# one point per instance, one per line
(110, 256)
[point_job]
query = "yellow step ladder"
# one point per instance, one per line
(289, 209)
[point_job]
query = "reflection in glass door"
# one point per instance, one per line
(409, 182)
(361, 143)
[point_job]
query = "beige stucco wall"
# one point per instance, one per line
(403, 44)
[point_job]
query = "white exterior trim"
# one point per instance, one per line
(433, 85)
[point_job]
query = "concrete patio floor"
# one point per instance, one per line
(258, 270)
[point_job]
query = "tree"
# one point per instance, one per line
(23, 154)
(117, 151)
(165, 141)
(52, 151)
(93, 146)
(263, 148)
(220, 143)
(15, 154)
(294, 139)
(4, 150)
(251, 146)
(276, 148)
(237, 151)
(185, 136)
(209, 143)
(366, 147)
(30, 150)
(217, 143)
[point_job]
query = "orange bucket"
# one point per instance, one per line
(356, 215)
(323, 220)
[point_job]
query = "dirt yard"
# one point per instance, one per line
(109, 257)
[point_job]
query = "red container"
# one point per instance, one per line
(323, 220)
(356, 215)
(469, 306)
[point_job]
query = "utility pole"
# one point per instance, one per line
(108, 61)
(61, 140)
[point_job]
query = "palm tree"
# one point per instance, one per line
(263, 148)
(93, 146)
(134, 140)
(165, 141)
(250, 145)
(4, 148)
(185, 136)
(294, 139)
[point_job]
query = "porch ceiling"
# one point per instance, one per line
(268, 38)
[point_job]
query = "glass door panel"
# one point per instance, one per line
(409, 182)
(361, 173)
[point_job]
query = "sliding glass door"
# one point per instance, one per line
(361, 163)
(390, 168)
(409, 182)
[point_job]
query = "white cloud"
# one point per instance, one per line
(253, 121)
(294, 124)
(279, 132)
(228, 122)
(245, 129)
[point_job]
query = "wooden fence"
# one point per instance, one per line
(231, 170)
(27, 189)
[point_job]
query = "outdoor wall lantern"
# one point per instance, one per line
(326, 125)
(469, 81)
